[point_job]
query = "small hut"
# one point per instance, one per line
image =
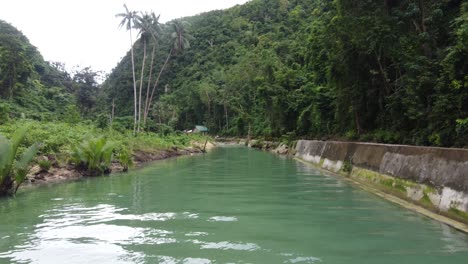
(200, 129)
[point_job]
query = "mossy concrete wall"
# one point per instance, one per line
(436, 177)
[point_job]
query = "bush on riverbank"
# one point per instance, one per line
(93, 156)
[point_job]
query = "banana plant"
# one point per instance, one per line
(13, 171)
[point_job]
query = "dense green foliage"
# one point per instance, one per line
(29, 86)
(59, 139)
(391, 71)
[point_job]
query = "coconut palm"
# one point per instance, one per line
(143, 23)
(180, 42)
(180, 37)
(155, 33)
(128, 21)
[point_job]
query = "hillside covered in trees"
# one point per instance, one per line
(36, 89)
(389, 71)
(393, 71)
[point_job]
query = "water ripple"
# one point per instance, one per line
(225, 245)
(223, 219)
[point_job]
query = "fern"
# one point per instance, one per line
(21, 166)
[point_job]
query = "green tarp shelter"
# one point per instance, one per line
(200, 129)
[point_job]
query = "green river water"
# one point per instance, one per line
(233, 205)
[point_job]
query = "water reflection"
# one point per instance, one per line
(71, 229)
(68, 231)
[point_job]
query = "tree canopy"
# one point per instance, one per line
(392, 71)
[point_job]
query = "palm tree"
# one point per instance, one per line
(180, 42)
(180, 36)
(127, 20)
(144, 24)
(155, 33)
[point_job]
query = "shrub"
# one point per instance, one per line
(347, 166)
(93, 156)
(351, 135)
(122, 124)
(124, 156)
(44, 164)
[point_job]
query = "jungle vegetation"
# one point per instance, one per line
(392, 71)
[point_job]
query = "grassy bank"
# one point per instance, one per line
(74, 150)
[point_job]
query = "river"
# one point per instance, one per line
(232, 205)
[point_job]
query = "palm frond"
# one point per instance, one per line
(18, 138)
(95, 154)
(21, 166)
(6, 158)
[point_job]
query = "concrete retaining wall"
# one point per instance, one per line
(438, 175)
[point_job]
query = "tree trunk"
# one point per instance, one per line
(358, 125)
(226, 115)
(134, 85)
(209, 103)
(112, 113)
(157, 81)
(145, 110)
(142, 74)
(422, 11)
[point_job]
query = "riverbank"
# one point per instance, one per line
(68, 172)
(68, 152)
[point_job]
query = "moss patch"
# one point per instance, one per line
(456, 214)
(401, 185)
(365, 174)
(429, 189)
(425, 200)
(321, 163)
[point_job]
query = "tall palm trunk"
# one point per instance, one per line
(226, 116)
(142, 74)
(134, 85)
(157, 81)
(145, 110)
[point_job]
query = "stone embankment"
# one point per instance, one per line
(434, 178)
